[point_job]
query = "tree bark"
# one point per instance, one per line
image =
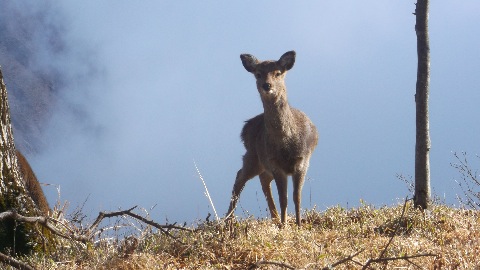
(18, 238)
(422, 145)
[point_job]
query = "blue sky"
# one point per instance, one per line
(167, 88)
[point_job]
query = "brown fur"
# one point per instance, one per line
(32, 185)
(279, 142)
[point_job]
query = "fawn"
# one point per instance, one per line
(279, 142)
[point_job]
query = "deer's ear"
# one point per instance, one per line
(249, 62)
(287, 60)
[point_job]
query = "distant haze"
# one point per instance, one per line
(114, 101)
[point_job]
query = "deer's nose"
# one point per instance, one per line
(267, 86)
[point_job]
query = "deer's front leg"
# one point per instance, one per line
(281, 179)
(266, 181)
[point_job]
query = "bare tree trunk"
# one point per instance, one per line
(18, 238)
(422, 145)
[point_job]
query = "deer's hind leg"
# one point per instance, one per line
(266, 179)
(298, 180)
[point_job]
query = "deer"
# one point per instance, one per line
(279, 142)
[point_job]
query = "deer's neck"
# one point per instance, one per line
(278, 117)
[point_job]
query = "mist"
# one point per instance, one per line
(145, 90)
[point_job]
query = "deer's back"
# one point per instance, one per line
(253, 129)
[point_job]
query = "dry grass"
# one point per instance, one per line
(325, 238)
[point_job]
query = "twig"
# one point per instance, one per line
(386, 259)
(103, 215)
(285, 265)
(347, 259)
(281, 264)
(344, 260)
(15, 263)
(396, 229)
(163, 228)
(393, 235)
(470, 179)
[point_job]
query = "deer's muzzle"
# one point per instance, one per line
(267, 86)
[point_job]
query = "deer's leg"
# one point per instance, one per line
(266, 181)
(282, 185)
(298, 179)
(249, 170)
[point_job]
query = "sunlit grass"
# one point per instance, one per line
(325, 238)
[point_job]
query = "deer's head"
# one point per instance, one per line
(270, 75)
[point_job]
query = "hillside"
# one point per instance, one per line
(397, 237)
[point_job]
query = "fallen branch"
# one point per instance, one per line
(72, 234)
(88, 234)
(45, 222)
(15, 263)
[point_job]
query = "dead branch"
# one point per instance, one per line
(103, 215)
(407, 258)
(45, 222)
(470, 179)
(85, 236)
(163, 228)
(280, 264)
(344, 260)
(15, 263)
(128, 212)
(89, 233)
(396, 229)
(285, 265)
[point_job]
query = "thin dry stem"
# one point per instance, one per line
(206, 190)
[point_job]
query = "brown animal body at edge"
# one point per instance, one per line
(32, 185)
(279, 142)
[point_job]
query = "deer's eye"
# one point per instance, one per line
(278, 74)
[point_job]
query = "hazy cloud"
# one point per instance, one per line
(151, 86)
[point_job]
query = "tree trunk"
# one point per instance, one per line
(422, 145)
(18, 238)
